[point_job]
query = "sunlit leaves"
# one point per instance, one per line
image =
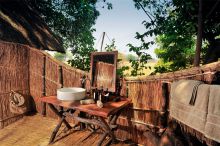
(72, 20)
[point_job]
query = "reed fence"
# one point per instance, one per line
(34, 73)
(13, 76)
(151, 105)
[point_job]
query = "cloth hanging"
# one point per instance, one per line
(212, 127)
(195, 115)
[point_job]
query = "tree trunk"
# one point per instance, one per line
(199, 36)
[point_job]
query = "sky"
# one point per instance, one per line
(121, 23)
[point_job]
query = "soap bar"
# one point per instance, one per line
(87, 101)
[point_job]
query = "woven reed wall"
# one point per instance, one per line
(148, 100)
(29, 70)
(32, 73)
(14, 75)
(47, 75)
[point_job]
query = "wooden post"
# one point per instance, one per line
(61, 76)
(199, 35)
(103, 37)
(82, 114)
(163, 113)
(127, 92)
(43, 112)
(60, 82)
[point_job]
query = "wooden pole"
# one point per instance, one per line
(43, 112)
(199, 36)
(163, 113)
(60, 82)
(103, 37)
(60, 76)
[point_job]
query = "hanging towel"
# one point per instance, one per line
(182, 92)
(212, 127)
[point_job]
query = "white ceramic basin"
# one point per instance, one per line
(71, 94)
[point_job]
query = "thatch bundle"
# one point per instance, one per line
(21, 23)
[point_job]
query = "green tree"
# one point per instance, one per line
(175, 22)
(174, 53)
(72, 20)
(111, 46)
(142, 57)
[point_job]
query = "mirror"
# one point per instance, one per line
(103, 70)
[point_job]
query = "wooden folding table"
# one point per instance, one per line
(104, 118)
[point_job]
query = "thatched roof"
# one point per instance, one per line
(21, 24)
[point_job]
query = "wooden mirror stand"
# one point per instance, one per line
(103, 70)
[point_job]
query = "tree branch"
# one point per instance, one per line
(147, 13)
(213, 8)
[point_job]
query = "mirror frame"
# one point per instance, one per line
(92, 65)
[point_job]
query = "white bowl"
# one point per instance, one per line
(71, 94)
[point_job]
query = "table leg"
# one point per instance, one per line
(108, 129)
(60, 108)
(43, 106)
(112, 121)
(56, 130)
(102, 139)
(59, 115)
(82, 125)
(100, 122)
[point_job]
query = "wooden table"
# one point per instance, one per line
(104, 118)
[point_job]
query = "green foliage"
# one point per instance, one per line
(162, 67)
(176, 52)
(111, 47)
(142, 57)
(120, 71)
(174, 24)
(72, 20)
